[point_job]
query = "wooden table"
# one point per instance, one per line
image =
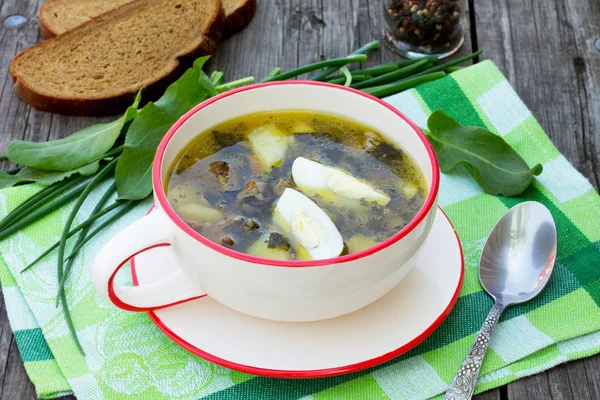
(547, 49)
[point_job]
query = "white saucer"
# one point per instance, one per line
(377, 333)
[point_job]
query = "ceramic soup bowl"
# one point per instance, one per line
(271, 289)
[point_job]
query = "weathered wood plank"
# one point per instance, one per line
(13, 112)
(546, 49)
(6, 338)
(490, 395)
(16, 122)
(260, 48)
(592, 372)
(532, 388)
(16, 384)
(572, 378)
(577, 381)
(583, 17)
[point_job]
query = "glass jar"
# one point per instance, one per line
(424, 28)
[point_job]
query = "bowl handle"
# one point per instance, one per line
(154, 230)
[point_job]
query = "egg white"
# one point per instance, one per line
(309, 226)
(311, 176)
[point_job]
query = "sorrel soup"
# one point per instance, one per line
(295, 185)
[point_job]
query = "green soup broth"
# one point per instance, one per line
(226, 182)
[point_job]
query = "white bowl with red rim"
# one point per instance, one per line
(272, 289)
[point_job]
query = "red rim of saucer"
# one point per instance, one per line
(319, 373)
(159, 191)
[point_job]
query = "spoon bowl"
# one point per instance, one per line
(518, 256)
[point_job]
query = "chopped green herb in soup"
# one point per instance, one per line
(295, 186)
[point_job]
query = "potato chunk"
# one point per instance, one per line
(194, 213)
(269, 144)
(302, 127)
(275, 248)
(360, 242)
(410, 189)
(184, 193)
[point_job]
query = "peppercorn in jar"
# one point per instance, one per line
(421, 28)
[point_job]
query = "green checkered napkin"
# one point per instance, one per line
(128, 357)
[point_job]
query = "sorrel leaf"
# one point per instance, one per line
(73, 151)
(46, 178)
(497, 168)
(133, 172)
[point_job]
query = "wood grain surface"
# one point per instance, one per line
(545, 48)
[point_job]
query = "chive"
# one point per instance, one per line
(14, 171)
(338, 62)
(355, 78)
(347, 75)
(442, 67)
(82, 234)
(230, 85)
(26, 205)
(328, 71)
(73, 231)
(61, 298)
(69, 321)
(404, 63)
(380, 69)
(45, 192)
(82, 196)
(41, 212)
(41, 256)
(408, 83)
(391, 76)
(217, 78)
(127, 207)
(272, 74)
(340, 76)
(452, 68)
(372, 71)
(37, 200)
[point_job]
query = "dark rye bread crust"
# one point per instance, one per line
(47, 29)
(234, 22)
(239, 19)
(86, 106)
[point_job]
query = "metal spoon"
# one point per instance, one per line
(515, 265)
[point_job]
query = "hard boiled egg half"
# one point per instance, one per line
(315, 178)
(310, 227)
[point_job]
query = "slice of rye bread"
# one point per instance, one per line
(98, 67)
(59, 16)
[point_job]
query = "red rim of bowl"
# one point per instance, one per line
(166, 207)
(319, 373)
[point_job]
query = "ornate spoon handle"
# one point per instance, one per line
(464, 382)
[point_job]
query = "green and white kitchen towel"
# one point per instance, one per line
(128, 357)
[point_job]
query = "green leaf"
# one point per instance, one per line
(217, 78)
(133, 172)
(46, 178)
(497, 168)
(73, 151)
